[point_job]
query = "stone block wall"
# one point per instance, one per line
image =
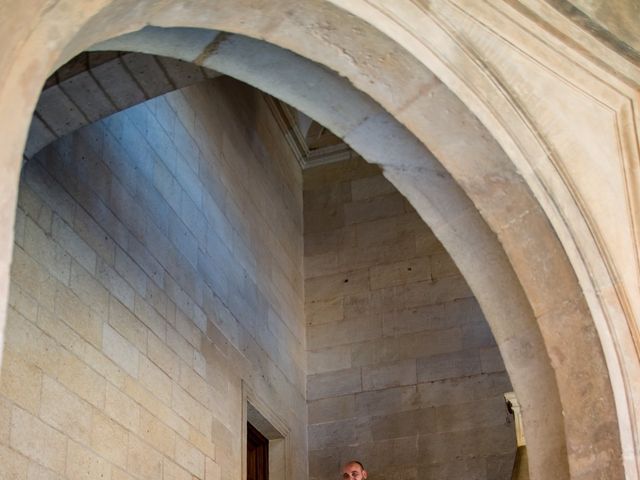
(157, 266)
(404, 374)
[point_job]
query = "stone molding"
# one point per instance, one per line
(515, 407)
(297, 142)
(449, 39)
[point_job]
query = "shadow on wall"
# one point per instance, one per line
(404, 371)
(157, 264)
(94, 85)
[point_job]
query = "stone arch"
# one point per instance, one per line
(586, 443)
(94, 85)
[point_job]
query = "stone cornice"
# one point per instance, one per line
(297, 142)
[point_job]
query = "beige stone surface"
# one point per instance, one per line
(142, 460)
(120, 350)
(127, 325)
(155, 380)
(387, 359)
(78, 316)
(212, 470)
(21, 382)
(110, 349)
(38, 441)
(171, 471)
(122, 408)
(189, 457)
(61, 409)
(84, 464)
(109, 439)
(157, 434)
(38, 472)
(369, 49)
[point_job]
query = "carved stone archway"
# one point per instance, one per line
(509, 204)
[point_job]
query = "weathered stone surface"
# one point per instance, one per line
(37, 440)
(340, 382)
(21, 382)
(83, 463)
(415, 331)
(54, 105)
(468, 46)
(148, 73)
(88, 96)
(109, 439)
(63, 410)
(110, 351)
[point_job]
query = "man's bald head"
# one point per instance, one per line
(354, 470)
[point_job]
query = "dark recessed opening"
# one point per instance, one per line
(257, 454)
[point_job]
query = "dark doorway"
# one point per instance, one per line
(257, 454)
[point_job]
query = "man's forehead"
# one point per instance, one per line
(352, 466)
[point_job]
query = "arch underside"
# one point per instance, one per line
(454, 173)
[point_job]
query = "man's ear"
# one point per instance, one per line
(364, 474)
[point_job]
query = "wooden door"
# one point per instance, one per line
(257, 455)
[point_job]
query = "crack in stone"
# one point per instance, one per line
(211, 48)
